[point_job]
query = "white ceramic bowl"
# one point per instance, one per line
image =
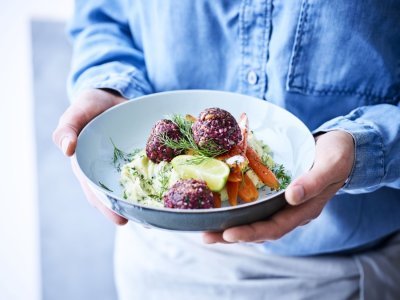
(129, 125)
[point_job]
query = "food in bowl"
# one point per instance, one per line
(200, 163)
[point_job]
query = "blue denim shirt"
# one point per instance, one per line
(334, 64)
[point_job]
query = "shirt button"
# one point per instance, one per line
(252, 77)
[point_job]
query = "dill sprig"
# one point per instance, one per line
(120, 156)
(187, 142)
(282, 176)
(105, 187)
(163, 179)
(180, 144)
(197, 160)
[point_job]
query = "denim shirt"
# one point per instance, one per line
(334, 64)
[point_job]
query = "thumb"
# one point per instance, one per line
(334, 158)
(307, 186)
(70, 124)
(87, 105)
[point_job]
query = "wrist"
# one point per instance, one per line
(368, 165)
(111, 92)
(343, 154)
(107, 96)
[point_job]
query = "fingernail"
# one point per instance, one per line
(230, 238)
(65, 142)
(208, 240)
(298, 193)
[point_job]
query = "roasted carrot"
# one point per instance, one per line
(262, 171)
(236, 174)
(190, 118)
(232, 188)
(247, 190)
(190, 152)
(216, 199)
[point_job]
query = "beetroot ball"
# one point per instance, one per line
(189, 194)
(156, 151)
(218, 127)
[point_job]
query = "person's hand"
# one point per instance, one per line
(87, 105)
(306, 195)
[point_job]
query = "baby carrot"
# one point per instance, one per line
(247, 190)
(216, 199)
(190, 118)
(262, 171)
(232, 189)
(236, 174)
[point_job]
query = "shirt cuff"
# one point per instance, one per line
(368, 168)
(130, 84)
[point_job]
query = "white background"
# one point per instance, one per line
(19, 241)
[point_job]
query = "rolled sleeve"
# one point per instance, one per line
(368, 169)
(129, 82)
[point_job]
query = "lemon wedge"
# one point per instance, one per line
(213, 171)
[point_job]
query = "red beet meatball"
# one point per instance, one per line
(189, 194)
(157, 151)
(218, 127)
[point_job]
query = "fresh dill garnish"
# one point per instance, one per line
(105, 187)
(211, 149)
(163, 180)
(196, 160)
(282, 176)
(187, 142)
(120, 156)
(182, 144)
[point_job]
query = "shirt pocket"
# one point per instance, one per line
(347, 48)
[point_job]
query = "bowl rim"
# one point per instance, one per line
(179, 210)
